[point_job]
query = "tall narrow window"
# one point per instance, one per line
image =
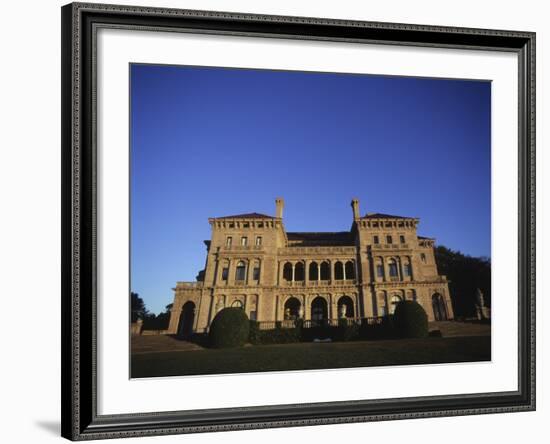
(402, 239)
(376, 240)
(422, 257)
(258, 240)
(244, 241)
(407, 270)
(225, 273)
(393, 268)
(228, 241)
(389, 240)
(256, 273)
(380, 270)
(240, 273)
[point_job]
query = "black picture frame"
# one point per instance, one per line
(79, 385)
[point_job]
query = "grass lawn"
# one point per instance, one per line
(308, 356)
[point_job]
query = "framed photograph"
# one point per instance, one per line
(275, 221)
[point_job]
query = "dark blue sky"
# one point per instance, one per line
(209, 142)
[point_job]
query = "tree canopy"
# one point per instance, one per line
(466, 274)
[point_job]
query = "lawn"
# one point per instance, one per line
(308, 356)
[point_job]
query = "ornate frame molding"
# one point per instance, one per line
(80, 22)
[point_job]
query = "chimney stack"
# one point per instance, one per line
(355, 206)
(279, 205)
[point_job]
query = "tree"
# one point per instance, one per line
(158, 322)
(466, 274)
(138, 307)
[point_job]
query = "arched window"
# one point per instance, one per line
(325, 271)
(287, 272)
(395, 299)
(338, 271)
(225, 270)
(380, 270)
(313, 271)
(292, 309)
(350, 270)
(240, 273)
(392, 267)
(299, 271)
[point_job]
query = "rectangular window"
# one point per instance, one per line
(244, 241)
(402, 239)
(376, 240)
(258, 240)
(407, 270)
(380, 270)
(228, 241)
(225, 273)
(256, 274)
(389, 240)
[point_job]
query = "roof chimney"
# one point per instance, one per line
(279, 205)
(355, 206)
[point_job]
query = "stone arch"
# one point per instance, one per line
(287, 272)
(187, 319)
(350, 270)
(292, 308)
(395, 298)
(299, 271)
(338, 271)
(345, 307)
(439, 308)
(319, 309)
(325, 271)
(313, 271)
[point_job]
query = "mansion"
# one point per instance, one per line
(276, 275)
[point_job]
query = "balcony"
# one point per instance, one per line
(386, 247)
(243, 248)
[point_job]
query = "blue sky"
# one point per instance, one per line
(209, 142)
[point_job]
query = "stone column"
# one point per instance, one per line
(318, 271)
(293, 270)
(211, 310)
(249, 271)
(400, 264)
(231, 273)
(344, 269)
(306, 272)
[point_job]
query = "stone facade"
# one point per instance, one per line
(274, 275)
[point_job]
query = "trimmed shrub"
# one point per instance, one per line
(410, 320)
(230, 328)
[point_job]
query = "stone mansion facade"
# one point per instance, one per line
(275, 275)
